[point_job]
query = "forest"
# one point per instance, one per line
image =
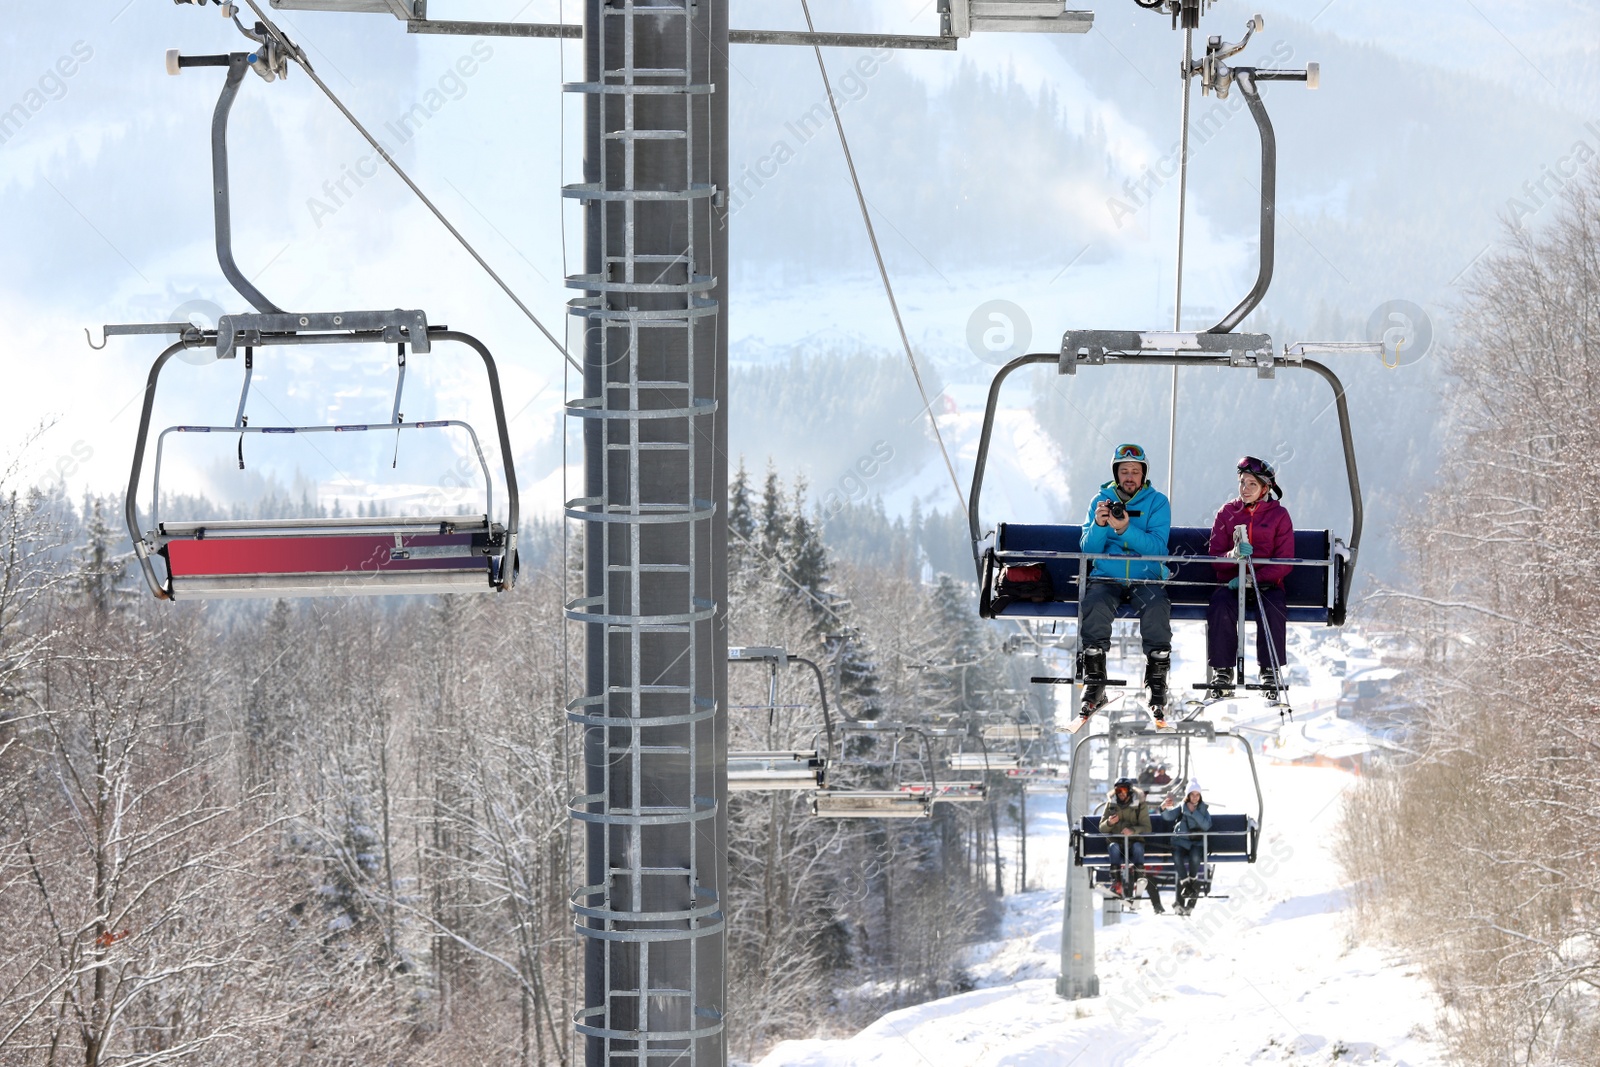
(337, 831)
(1476, 855)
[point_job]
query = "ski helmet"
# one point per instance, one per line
(1261, 471)
(1123, 783)
(1129, 454)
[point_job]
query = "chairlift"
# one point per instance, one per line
(1233, 837)
(1030, 774)
(1040, 779)
(1323, 565)
(911, 800)
(949, 792)
(217, 558)
(870, 804)
(781, 769)
(1018, 733)
(982, 761)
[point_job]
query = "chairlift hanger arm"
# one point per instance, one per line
(1269, 195)
(130, 501)
(237, 63)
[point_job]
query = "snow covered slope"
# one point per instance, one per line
(1269, 975)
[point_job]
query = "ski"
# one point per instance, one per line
(1083, 717)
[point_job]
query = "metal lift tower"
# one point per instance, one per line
(653, 411)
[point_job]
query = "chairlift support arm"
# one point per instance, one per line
(237, 63)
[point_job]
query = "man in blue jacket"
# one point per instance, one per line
(1129, 518)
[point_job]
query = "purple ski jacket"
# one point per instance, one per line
(1271, 536)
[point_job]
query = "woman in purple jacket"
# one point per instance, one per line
(1270, 535)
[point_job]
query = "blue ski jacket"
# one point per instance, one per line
(1146, 535)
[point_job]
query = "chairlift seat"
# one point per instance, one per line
(1232, 839)
(759, 771)
(870, 804)
(982, 761)
(948, 792)
(1001, 732)
(332, 557)
(1312, 592)
(1037, 773)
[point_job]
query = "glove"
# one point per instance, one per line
(1244, 550)
(1233, 583)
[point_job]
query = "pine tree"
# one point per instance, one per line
(972, 675)
(741, 521)
(775, 518)
(99, 570)
(806, 561)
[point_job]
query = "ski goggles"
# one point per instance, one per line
(1129, 454)
(1259, 468)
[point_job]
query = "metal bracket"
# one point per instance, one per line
(1297, 352)
(394, 327)
(1097, 347)
(963, 18)
(400, 9)
(188, 332)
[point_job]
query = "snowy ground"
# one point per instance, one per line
(1271, 974)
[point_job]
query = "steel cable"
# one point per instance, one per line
(298, 55)
(877, 254)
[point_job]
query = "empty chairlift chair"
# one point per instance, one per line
(913, 799)
(759, 771)
(226, 558)
(209, 558)
(779, 769)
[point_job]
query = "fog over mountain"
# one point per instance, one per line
(1031, 169)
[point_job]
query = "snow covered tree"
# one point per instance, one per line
(100, 570)
(1504, 908)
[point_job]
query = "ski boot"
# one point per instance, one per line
(1219, 686)
(1139, 882)
(1094, 681)
(1269, 684)
(1156, 666)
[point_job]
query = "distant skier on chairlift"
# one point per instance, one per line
(1129, 517)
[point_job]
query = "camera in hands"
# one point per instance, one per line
(1119, 510)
